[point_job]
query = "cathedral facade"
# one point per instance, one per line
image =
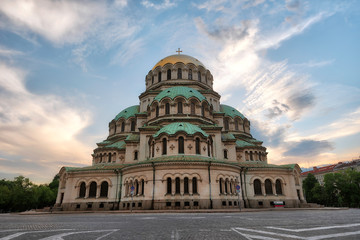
(180, 148)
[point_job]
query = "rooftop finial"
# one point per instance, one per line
(179, 51)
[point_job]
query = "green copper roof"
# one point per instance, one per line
(119, 145)
(230, 111)
(133, 137)
(241, 143)
(128, 112)
(227, 136)
(173, 128)
(173, 92)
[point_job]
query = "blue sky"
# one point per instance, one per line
(68, 67)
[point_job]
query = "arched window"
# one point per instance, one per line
(100, 157)
(82, 190)
(115, 128)
(164, 146)
(278, 187)
(192, 108)
(104, 189)
(197, 145)
(225, 154)
(133, 123)
(168, 74)
(142, 186)
(136, 155)
(122, 126)
(257, 187)
(167, 108)
(237, 125)
(251, 156)
(199, 76)
(226, 186)
(152, 79)
(220, 186)
(179, 73)
(159, 76)
(190, 74)
(109, 159)
(157, 111)
(268, 187)
(180, 107)
(181, 145)
(186, 185)
(208, 148)
(153, 149)
(230, 185)
(168, 189)
(226, 124)
(177, 185)
(92, 191)
(136, 187)
(260, 156)
(206, 78)
(194, 185)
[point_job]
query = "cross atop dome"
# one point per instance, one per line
(179, 51)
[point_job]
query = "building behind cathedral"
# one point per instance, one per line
(180, 148)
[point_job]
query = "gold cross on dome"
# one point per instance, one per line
(179, 51)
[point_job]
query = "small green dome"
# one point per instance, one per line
(173, 128)
(230, 111)
(173, 92)
(128, 112)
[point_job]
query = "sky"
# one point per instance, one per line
(67, 68)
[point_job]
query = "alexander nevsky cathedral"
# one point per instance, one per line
(180, 148)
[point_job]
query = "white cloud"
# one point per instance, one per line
(58, 21)
(164, 5)
(41, 127)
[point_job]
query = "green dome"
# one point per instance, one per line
(173, 128)
(128, 112)
(173, 92)
(230, 111)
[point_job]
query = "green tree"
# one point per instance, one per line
(308, 184)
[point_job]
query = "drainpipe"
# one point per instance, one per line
(242, 186)
(211, 203)
(153, 195)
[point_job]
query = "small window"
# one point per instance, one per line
(168, 204)
(157, 111)
(230, 203)
(181, 145)
(89, 205)
(133, 204)
(268, 187)
(224, 203)
(159, 76)
(104, 189)
(226, 124)
(220, 185)
(190, 74)
(177, 204)
(77, 206)
(152, 79)
(142, 187)
(199, 76)
(194, 185)
(186, 204)
(186, 185)
(179, 73)
(180, 107)
(197, 145)
(164, 146)
(237, 125)
(196, 204)
(251, 156)
(260, 203)
(257, 187)
(139, 204)
(136, 155)
(192, 108)
(168, 74)
(167, 108)
(92, 191)
(225, 154)
(109, 159)
(168, 186)
(82, 190)
(177, 185)
(235, 203)
(133, 124)
(122, 126)
(101, 205)
(278, 187)
(203, 110)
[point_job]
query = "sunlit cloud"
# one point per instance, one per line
(164, 5)
(41, 127)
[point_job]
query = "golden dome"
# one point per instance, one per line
(178, 58)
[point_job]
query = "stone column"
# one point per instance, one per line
(190, 186)
(173, 187)
(263, 188)
(182, 187)
(273, 188)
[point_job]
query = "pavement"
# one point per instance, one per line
(34, 212)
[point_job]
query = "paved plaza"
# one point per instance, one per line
(281, 224)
